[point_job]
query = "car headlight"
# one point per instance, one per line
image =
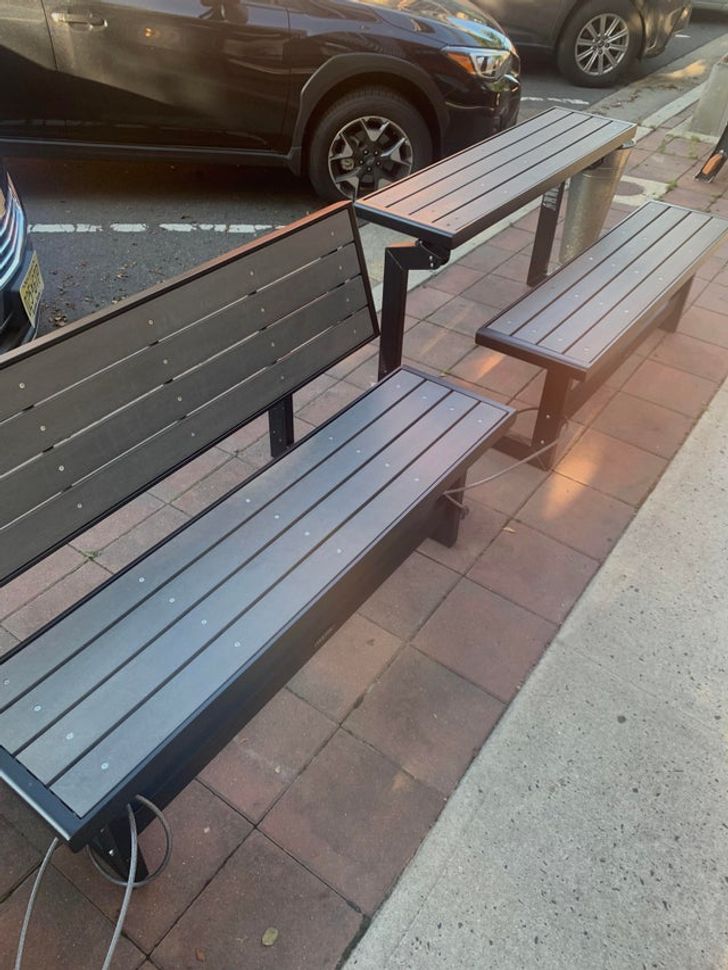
(481, 61)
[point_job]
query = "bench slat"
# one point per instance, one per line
(87, 782)
(85, 348)
(147, 640)
(107, 608)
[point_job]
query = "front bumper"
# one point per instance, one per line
(667, 25)
(15, 326)
(471, 123)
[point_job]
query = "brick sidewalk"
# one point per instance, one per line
(306, 819)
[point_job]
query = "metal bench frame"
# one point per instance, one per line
(339, 312)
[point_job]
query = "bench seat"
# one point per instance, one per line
(581, 322)
(170, 658)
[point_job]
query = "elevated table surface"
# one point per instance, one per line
(453, 200)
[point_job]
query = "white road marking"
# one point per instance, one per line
(242, 228)
(683, 36)
(557, 100)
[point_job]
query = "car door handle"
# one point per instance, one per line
(78, 18)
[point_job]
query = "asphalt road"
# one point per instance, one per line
(105, 230)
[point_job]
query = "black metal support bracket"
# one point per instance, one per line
(543, 244)
(451, 515)
(280, 426)
(113, 847)
(399, 259)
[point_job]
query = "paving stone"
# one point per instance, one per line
(477, 530)
(485, 258)
(333, 400)
(647, 345)
(663, 167)
(513, 239)
(17, 857)
(485, 638)
(188, 475)
(495, 291)
(38, 578)
(577, 515)
(454, 279)
(339, 371)
(341, 670)
(405, 600)
(612, 466)
(424, 300)
(535, 571)
(712, 268)
(260, 888)
(310, 391)
(696, 356)
(263, 759)
(206, 832)
(7, 641)
(354, 818)
(67, 931)
(24, 820)
(464, 316)
(244, 437)
(688, 198)
(671, 388)
(118, 523)
(509, 491)
(426, 719)
(366, 375)
(515, 268)
(644, 424)
(436, 346)
(714, 297)
(55, 600)
(495, 371)
(141, 538)
(622, 374)
(705, 325)
(525, 425)
(222, 480)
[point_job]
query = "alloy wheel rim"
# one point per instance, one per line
(367, 154)
(602, 44)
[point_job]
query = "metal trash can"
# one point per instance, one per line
(590, 196)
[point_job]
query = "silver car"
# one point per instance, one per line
(595, 41)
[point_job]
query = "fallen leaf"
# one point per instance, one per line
(200, 955)
(270, 936)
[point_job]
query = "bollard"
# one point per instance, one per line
(711, 114)
(590, 196)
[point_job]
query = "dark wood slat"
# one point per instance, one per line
(559, 155)
(70, 511)
(571, 279)
(633, 276)
(86, 783)
(669, 274)
(152, 627)
(500, 168)
(394, 196)
(36, 372)
(47, 651)
(33, 431)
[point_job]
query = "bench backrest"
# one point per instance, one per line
(97, 412)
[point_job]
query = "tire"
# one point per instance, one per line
(375, 131)
(612, 23)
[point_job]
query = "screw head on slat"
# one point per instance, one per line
(104, 765)
(37, 708)
(70, 736)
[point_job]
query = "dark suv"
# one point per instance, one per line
(353, 93)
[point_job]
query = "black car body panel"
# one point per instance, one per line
(538, 23)
(232, 78)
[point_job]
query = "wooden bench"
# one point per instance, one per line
(450, 202)
(133, 690)
(582, 322)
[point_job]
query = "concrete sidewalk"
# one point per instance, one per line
(591, 830)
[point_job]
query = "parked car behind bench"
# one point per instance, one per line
(21, 282)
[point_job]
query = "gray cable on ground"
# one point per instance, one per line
(162, 865)
(129, 889)
(31, 902)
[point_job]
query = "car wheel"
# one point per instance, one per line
(600, 41)
(365, 141)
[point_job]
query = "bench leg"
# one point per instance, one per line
(280, 426)
(449, 516)
(675, 308)
(548, 220)
(551, 413)
(113, 847)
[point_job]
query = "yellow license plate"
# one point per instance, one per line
(31, 289)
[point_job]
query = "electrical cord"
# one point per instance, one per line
(129, 883)
(504, 471)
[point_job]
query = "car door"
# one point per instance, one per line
(175, 72)
(531, 23)
(29, 105)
